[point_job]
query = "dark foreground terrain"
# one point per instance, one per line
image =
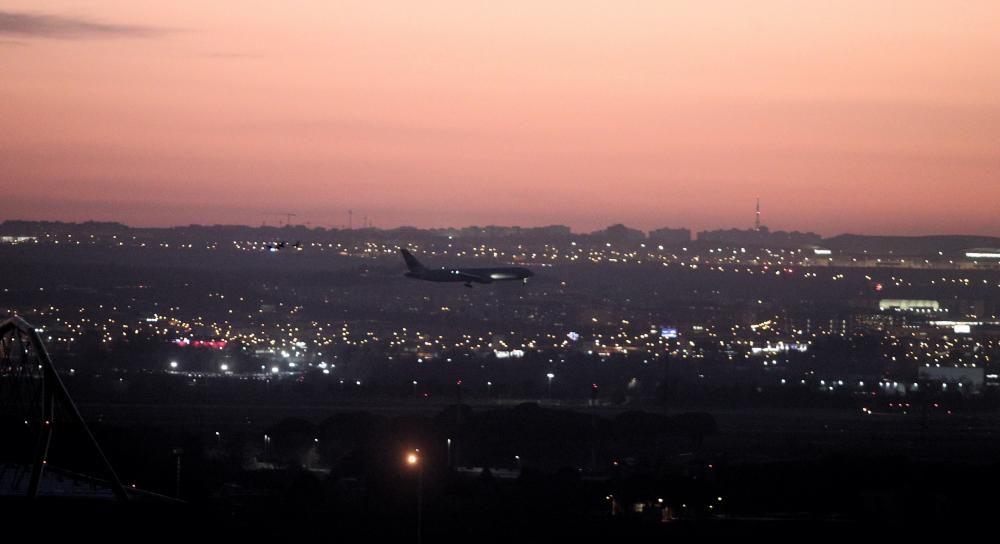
(523, 473)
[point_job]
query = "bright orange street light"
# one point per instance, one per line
(413, 460)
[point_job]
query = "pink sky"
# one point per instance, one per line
(869, 116)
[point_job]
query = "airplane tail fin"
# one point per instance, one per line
(411, 262)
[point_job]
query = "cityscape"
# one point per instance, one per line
(512, 272)
(746, 348)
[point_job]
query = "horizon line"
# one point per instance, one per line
(571, 231)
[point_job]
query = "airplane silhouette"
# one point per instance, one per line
(466, 275)
(280, 245)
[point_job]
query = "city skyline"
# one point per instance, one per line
(847, 118)
(362, 222)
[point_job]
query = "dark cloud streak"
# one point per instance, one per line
(39, 25)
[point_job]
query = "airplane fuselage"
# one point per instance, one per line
(468, 276)
(473, 275)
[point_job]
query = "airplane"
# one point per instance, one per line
(466, 275)
(280, 245)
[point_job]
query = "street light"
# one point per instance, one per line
(550, 376)
(413, 460)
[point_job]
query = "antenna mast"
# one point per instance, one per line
(757, 221)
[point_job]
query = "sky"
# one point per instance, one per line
(871, 116)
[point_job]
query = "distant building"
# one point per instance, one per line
(670, 236)
(969, 377)
(17, 239)
(619, 234)
(760, 237)
(984, 253)
(909, 305)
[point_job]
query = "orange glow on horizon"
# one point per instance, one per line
(856, 116)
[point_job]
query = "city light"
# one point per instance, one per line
(207, 184)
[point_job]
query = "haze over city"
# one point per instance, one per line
(849, 117)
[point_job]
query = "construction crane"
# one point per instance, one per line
(288, 217)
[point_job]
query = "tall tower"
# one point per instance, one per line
(757, 221)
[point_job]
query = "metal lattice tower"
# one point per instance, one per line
(34, 407)
(757, 219)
